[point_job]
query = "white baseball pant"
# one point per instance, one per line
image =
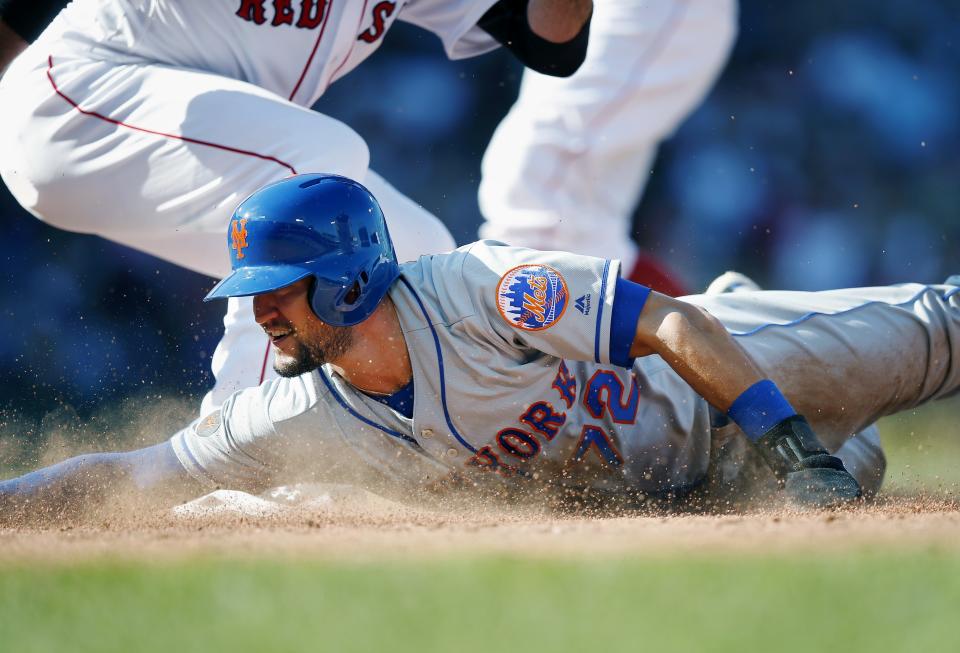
(566, 167)
(156, 158)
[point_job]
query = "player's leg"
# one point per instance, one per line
(152, 156)
(156, 158)
(845, 358)
(566, 167)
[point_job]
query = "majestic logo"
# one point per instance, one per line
(532, 297)
(582, 304)
(381, 12)
(238, 233)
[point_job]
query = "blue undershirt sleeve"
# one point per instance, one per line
(628, 301)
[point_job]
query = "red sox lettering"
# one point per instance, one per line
(308, 14)
(381, 11)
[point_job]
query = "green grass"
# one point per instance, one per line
(923, 449)
(867, 602)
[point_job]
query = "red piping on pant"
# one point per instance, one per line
(263, 368)
(186, 139)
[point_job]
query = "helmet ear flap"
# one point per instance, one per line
(356, 290)
(321, 305)
(353, 295)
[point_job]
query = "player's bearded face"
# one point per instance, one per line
(310, 346)
(301, 341)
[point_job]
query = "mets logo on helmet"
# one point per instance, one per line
(238, 233)
(532, 297)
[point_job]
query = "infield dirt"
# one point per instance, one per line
(920, 512)
(359, 526)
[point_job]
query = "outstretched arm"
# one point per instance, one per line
(699, 348)
(149, 478)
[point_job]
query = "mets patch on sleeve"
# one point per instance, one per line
(532, 297)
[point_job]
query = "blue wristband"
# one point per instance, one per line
(760, 408)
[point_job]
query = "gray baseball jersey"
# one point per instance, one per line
(510, 350)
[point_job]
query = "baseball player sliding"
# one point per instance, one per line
(175, 110)
(535, 371)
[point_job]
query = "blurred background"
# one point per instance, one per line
(825, 156)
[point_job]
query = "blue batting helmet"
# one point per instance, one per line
(322, 226)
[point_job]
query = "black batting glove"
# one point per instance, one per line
(809, 475)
